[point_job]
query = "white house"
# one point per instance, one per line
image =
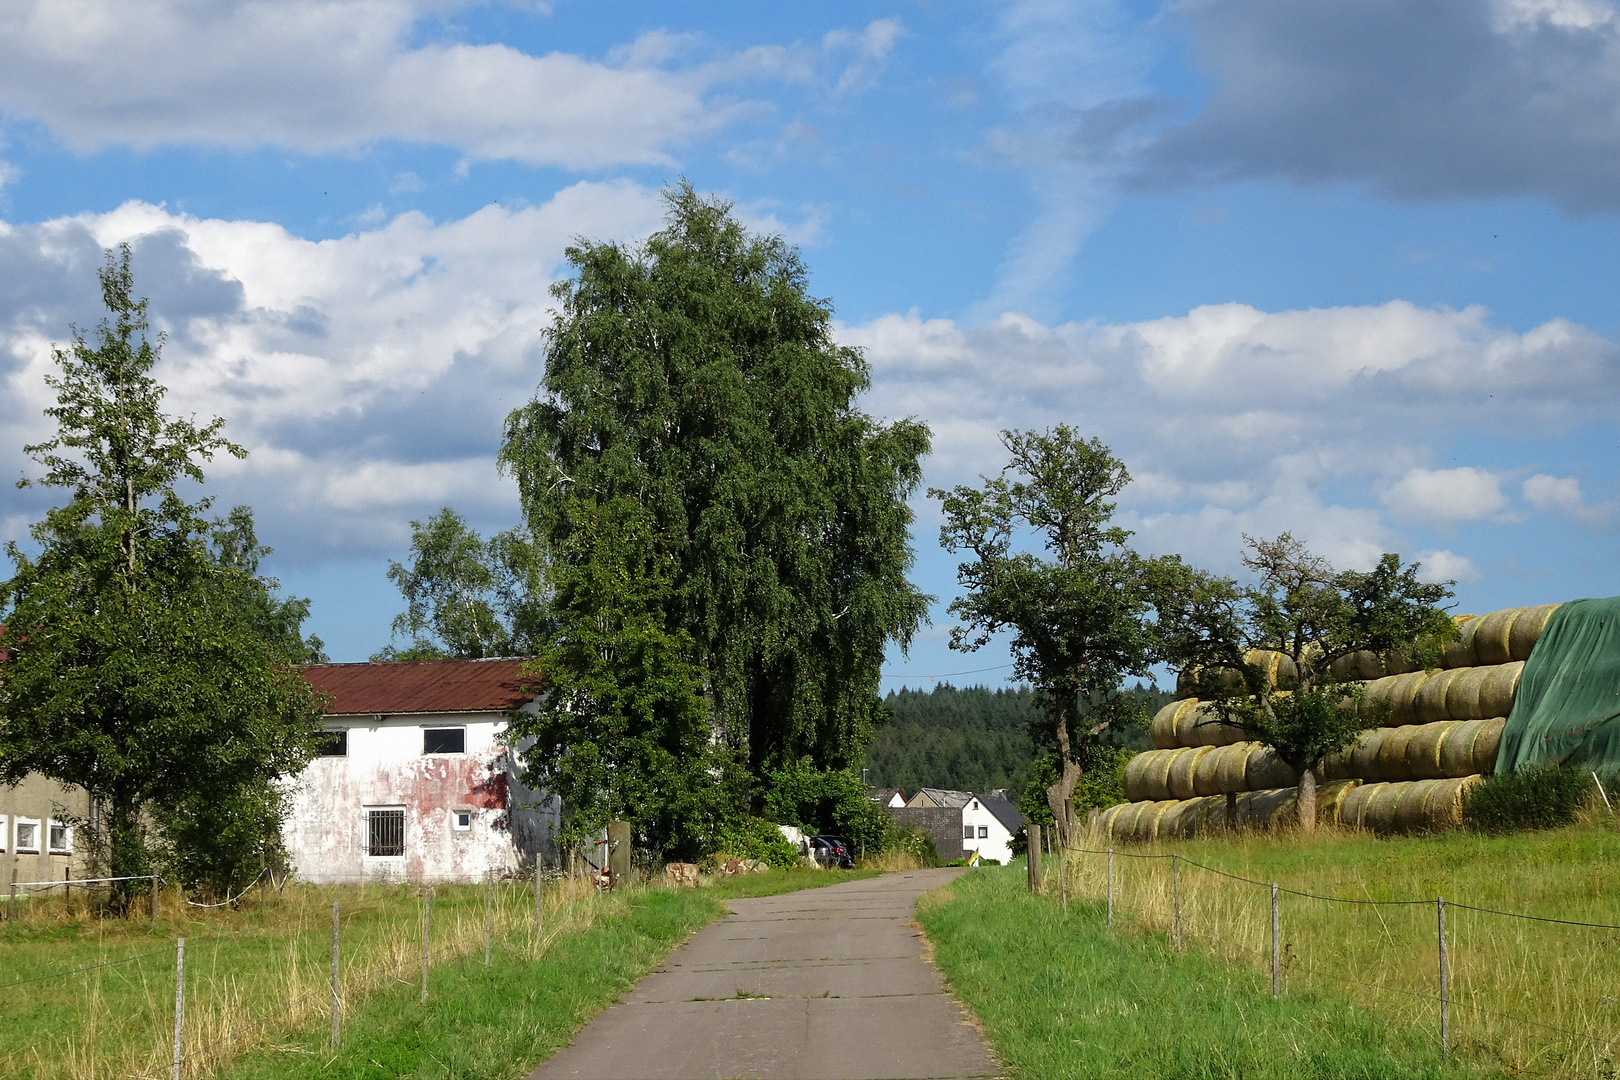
(988, 824)
(412, 783)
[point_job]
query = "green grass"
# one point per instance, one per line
(258, 978)
(1059, 996)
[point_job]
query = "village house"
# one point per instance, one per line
(39, 831)
(962, 822)
(412, 782)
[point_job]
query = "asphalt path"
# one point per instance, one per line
(820, 984)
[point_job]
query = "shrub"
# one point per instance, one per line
(756, 838)
(916, 843)
(1103, 783)
(1546, 797)
(829, 801)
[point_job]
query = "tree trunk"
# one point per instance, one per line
(1307, 801)
(126, 850)
(1060, 796)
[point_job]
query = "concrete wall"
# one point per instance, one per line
(40, 802)
(943, 824)
(997, 844)
(325, 833)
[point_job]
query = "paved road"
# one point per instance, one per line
(821, 984)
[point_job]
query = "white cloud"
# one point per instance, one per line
(1563, 495)
(315, 76)
(1444, 497)
(1446, 565)
(367, 375)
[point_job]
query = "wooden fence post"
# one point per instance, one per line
(179, 1005)
(1034, 858)
(539, 897)
(336, 1000)
(1110, 887)
(1175, 885)
(1445, 981)
(489, 913)
(427, 925)
(1276, 945)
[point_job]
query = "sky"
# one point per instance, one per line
(1347, 270)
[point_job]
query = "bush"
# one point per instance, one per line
(1103, 783)
(1546, 797)
(756, 838)
(829, 801)
(916, 843)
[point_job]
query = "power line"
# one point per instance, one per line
(946, 674)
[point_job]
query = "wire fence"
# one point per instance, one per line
(1537, 994)
(236, 991)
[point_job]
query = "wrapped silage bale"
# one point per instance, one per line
(1410, 806)
(1448, 748)
(1424, 697)
(1497, 638)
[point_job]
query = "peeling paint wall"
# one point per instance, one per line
(385, 767)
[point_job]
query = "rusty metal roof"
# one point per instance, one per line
(423, 686)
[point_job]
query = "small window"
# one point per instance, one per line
(5, 834)
(385, 833)
(967, 832)
(60, 836)
(444, 740)
(463, 819)
(27, 837)
(984, 832)
(334, 743)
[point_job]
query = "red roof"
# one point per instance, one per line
(423, 686)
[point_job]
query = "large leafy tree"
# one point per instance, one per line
(1078, 607)
(145, 659)
(1316, 616)
(695, 376)
(466, 596)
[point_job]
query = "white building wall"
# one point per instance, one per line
(996, 845)
(325, 832)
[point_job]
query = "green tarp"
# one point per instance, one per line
(1567, 711)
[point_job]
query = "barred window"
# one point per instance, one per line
(385, 832)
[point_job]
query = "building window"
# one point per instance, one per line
(60, 837)
(27, 837)
(462, 819)
(335, 743)
(984, 832)
(5, 834)
(967, 832)
(444, 740)
(385, 833)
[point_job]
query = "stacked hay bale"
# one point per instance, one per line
(1438, 734)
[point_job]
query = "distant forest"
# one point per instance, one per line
(967, 739)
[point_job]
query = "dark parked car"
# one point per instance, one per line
(832, 852)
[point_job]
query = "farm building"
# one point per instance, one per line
(1518, 688)
(413, 782)
(962, 822)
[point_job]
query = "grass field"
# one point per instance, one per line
(1061, 997)
(258, 990)
(1535, 998)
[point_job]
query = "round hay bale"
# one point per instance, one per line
(1203, 726)
(1330, 799)
(1486, 744)
(1354, 807)
(1266, 809)
(1183, 767)
(1104, 820)
(1157, 774)
(1501, 686)
(1124, 822)
(1379, 816)
(1231, 774)
(1136, 774)
(1146, 829)
(1492, 641)
(1410, 816)
(1206, 773)
(1264, 769)
(1180, 821)
(1443, 808)
(1364, 754)
(1429, 703)
(1527, 630)
(1336, 766)
(1402, 691)
(1457, 748)
(1164, 723)
(1460, 649)
(1392, 753)
(1423, 750)
(1462, 696)
(1360, 666)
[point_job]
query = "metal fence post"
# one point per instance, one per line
(489, 914)
(179, 1004)
(427, 924)
(1175, 887)
(154, 896)
(1445, 981)
(1063, 876)
(1276, 945)
(336, 1001)
(1110, 886)
(539, 896)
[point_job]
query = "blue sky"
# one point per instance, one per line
(1347, 270)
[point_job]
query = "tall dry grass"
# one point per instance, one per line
(1535, 997)
(252, 975)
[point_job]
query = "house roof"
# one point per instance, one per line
(1004, 811)
(940, 797)
(884, 794)
(423, 686)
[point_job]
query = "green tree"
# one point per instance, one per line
(141, 660)
(695, 376)
(465, 596)
(622, 730)
(1316, 616)
(1080, 620)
